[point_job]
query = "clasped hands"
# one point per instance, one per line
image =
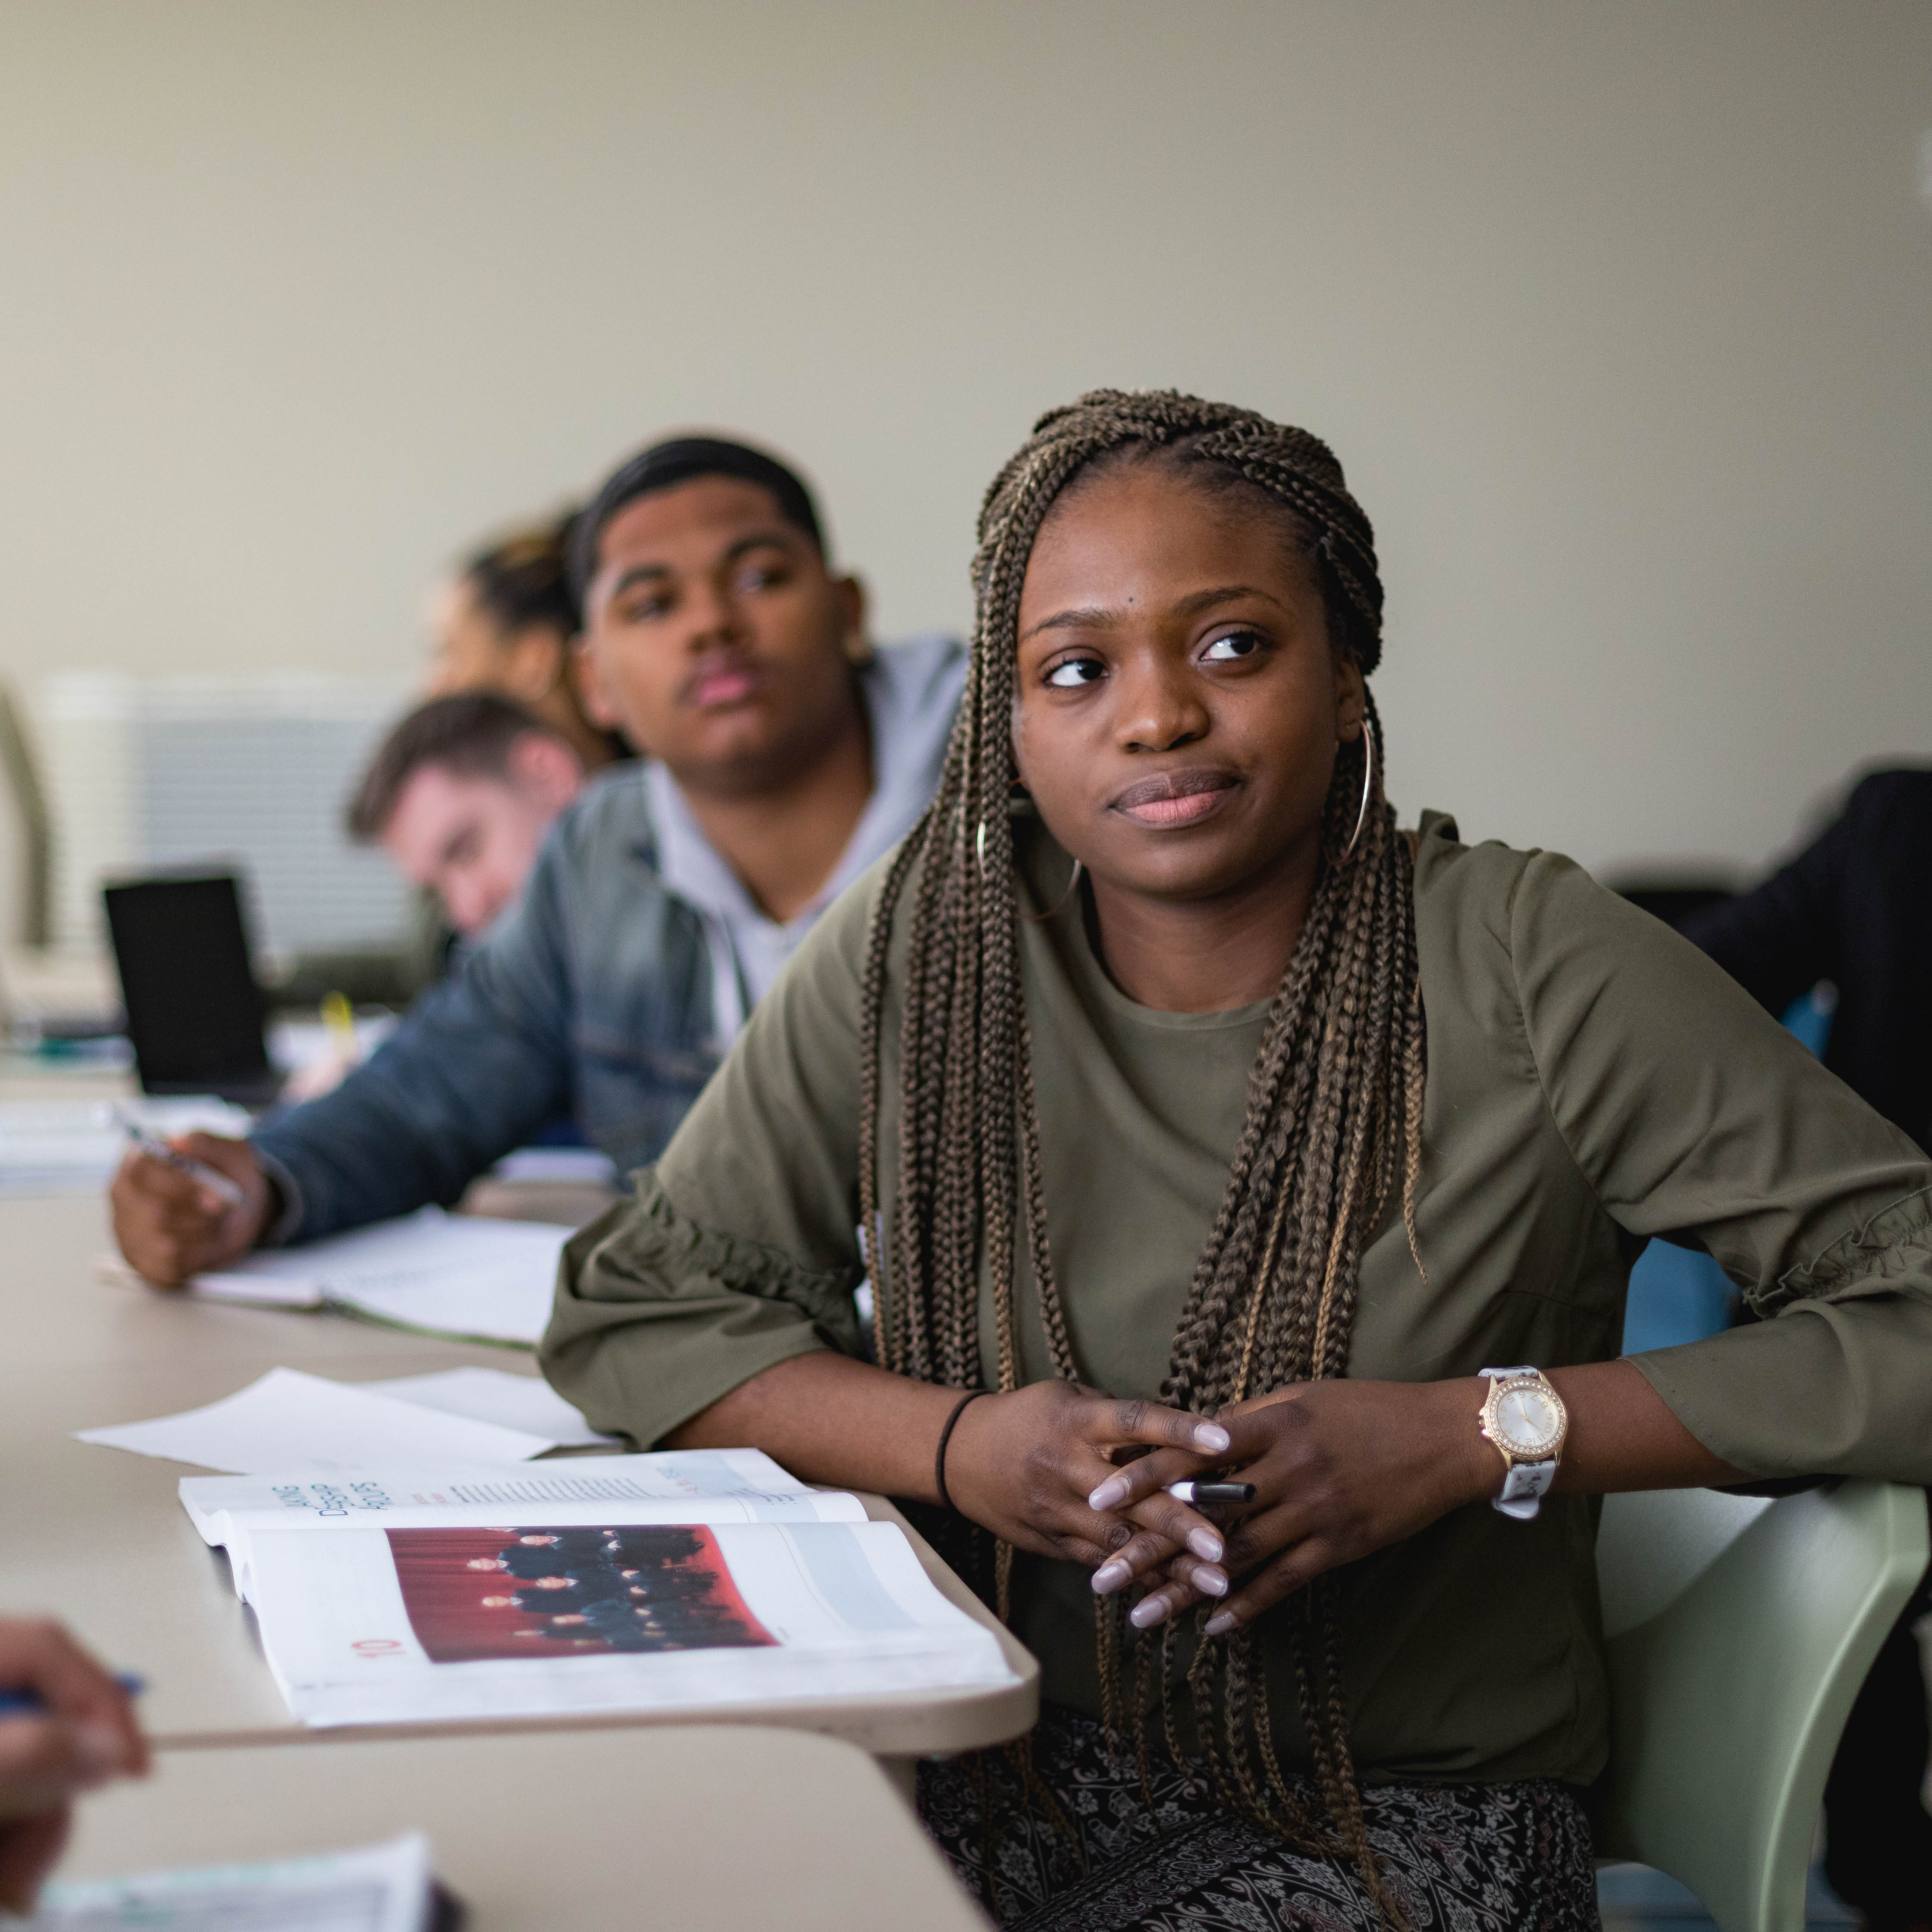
(1339, 1469)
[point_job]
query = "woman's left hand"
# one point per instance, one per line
(1340, 1469)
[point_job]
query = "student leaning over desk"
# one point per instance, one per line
(784, 755)
(1171, 1082)
(504, 626)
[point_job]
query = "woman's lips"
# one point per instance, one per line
(1175, 798)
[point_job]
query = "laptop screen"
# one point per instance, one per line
(194, 1012)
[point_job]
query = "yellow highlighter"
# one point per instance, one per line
(340, 1018)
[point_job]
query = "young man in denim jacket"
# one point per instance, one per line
(783, 756)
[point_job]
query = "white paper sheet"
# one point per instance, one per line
(379, 1889)
(493, 1395)
(290, 1421)
(73, 1146)
(451, 1274)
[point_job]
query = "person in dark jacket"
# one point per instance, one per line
(1854, 907)
(784, 755)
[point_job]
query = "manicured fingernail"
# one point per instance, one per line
(1148, 1612)
(1212, 1439)
(1212, 1581)
(1110, 1576)
(1205, 1544)
(1220, 1623)
(1112, 1491)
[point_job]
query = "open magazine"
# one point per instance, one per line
(664, 1582)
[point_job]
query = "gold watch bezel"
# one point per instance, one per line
(1513, 1452)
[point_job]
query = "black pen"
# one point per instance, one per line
(1212, 1492)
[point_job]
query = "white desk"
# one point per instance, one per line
(98, 1536)
(691, 1826)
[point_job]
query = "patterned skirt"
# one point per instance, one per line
(1459, 1857)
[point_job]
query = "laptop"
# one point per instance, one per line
(195, 1011)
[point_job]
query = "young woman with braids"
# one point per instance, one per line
(1189, 1112)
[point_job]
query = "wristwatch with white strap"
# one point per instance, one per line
(1524, 1418)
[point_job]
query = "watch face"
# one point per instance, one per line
(1526, 1421)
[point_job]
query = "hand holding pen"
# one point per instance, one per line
(66, 1726)
(182, 1209)
(155, 1148)
(1199, 1493)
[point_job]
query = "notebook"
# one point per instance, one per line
(462, 1277)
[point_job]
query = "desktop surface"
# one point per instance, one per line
(98, 1535)
(685, 1825)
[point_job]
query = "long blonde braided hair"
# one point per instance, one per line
(1332, 1134)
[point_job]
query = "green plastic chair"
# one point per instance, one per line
(1738, 1631)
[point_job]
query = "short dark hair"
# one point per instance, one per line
(522, 580)
(683, 460)
(471, 735)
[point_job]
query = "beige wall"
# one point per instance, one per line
(1620, 316)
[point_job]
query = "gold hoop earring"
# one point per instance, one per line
(1059, 904)
(1368, 748)
(1014, 790)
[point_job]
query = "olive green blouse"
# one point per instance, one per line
(1593, 1081)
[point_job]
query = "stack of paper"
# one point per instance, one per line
(578, 1166)
(73, 1146)
(704, 1578)
(454, 1275)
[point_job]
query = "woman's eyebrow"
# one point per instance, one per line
(1096, 616)
(1088, 617)
(1198, 600)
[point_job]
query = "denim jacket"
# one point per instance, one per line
(593, 997)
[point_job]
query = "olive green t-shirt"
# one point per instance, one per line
(1593, 1081)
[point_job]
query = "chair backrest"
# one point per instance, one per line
(26, 920)
(1738, 1632)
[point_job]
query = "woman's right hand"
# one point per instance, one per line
(85, 1733)
(171, 1227)
(1022, 1465)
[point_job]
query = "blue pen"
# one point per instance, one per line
(28, 1703)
